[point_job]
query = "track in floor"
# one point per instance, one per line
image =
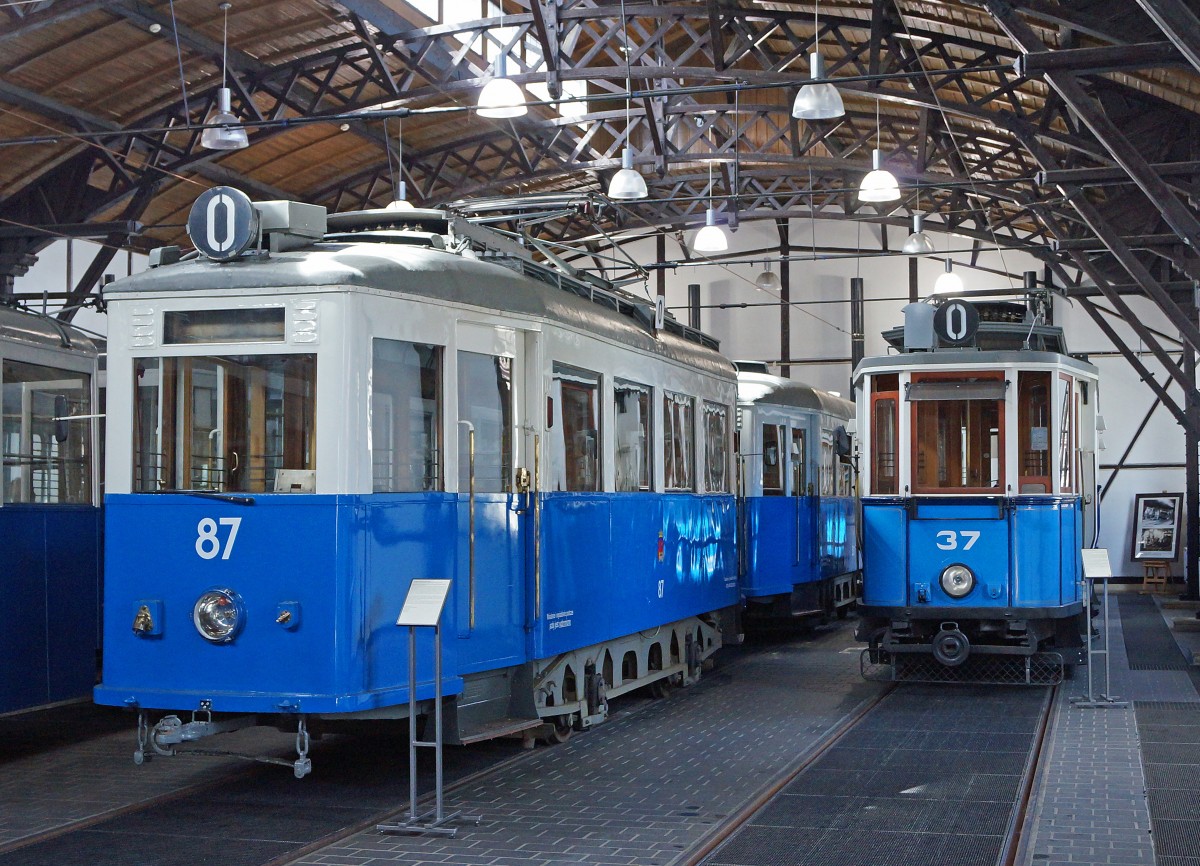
(931, 775)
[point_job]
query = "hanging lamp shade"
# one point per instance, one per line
(627, 183)
(768, 280)
(501, 97)
(818, 101)
(711, 238)
(918, 243)
(879, 184)
(230, 134)
(949, 282)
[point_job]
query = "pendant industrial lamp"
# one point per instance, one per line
(918, 243)
(879, 184)
(627, 183)
(768, 280)
(501, 97)
(949, 282)
(225, 131)
(817, 101)
(711, 238)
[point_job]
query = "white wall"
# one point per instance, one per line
(822, 331)
(61, 263)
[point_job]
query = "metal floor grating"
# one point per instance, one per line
(1148, 642)
(1042, 669)
(876, 800)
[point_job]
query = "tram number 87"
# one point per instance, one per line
(208, 543)
(951, 538)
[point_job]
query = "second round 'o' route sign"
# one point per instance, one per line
(956, 322)
(223, 223)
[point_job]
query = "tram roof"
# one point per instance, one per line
(765, 389)
(34, 329)
(970, 359)
(425, 271)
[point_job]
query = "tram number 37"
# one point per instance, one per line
(950, 539)
(208, 541)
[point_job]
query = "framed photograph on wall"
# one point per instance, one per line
(1156, 524)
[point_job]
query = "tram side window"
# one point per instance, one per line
(575, 431)
(884, 435)
(772, 460)
(47, 454)
(799, 463)
(1033, 431)
(405, 411)
(678, 447)
(828, 468)
(634, 469)
(237, 423)
(485, 400)
(1066, 439)
(716, 448)
(958, 438)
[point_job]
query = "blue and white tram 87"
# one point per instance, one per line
(50, 522)
(978, 472)
(321, 409)
(798, 539)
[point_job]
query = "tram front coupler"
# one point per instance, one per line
(171, 731)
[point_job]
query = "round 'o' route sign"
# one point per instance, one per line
(223, 223)
(956, 322)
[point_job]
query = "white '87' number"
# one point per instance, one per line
(951, 539)
(207, 542)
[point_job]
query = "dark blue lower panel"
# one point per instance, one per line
(50, 577)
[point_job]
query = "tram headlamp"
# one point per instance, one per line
(218, 615)
(957, 580)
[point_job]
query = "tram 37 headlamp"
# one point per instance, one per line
(957, 580)
(218, 615)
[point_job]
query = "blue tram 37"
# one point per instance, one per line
(50, 520)
(978, 470)
(797, 522)
(319, 409)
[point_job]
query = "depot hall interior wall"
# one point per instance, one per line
(821, 338)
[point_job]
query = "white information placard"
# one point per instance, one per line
(424, 602)
(1095, 563)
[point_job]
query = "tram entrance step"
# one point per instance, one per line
(499, 728)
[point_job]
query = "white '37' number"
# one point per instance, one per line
(951, 539)
(208, 544)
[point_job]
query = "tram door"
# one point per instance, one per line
(490, 580)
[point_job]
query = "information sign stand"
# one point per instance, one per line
(1096, 567)
(423, 609)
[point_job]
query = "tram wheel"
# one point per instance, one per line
(661, 688)
(560, 730)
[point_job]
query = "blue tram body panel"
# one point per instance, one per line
(796, 540)
(602, 577)
(1024, 553)
(50, 572)
(343, 565)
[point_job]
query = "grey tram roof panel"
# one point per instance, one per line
(33, 329)
(425, 272)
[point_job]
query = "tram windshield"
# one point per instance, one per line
(234, 423)
(47, 435)
(958, 434)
